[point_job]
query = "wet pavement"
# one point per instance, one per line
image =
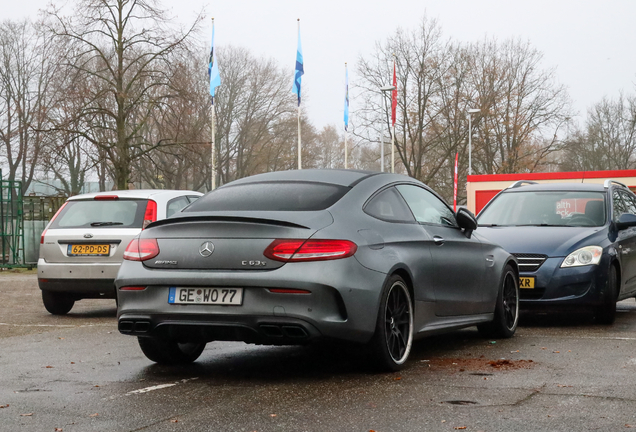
(77, 373)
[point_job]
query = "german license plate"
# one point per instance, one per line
(213, 296)
(526, 282)
(88, 250)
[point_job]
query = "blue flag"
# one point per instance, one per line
(346, 107)
(213, 69)
(299, 69)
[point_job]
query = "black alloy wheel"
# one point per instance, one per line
(510, 301)
(506, 316)
(394, 329)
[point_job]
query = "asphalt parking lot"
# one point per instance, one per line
(77, 373)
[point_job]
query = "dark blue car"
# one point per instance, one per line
(575, 243)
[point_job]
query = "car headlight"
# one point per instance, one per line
(585, 256)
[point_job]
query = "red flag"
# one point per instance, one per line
(394, 96)
(455, 185)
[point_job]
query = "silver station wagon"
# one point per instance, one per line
(83, 245)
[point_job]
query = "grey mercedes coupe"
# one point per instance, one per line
(294, 256)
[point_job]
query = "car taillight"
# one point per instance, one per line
(51, 221)
(151, 213)
(141, 249)
(309, 250)
(106, 197)
(132, 288)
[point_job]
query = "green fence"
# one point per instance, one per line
(11, 224)
(22, 220)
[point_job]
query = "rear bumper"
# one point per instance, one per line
(89, 270)
(343, 304)
(80, 288)
(251, 329)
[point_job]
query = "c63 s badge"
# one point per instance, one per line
(254, 263)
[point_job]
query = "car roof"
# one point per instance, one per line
(137, 193)
(339, 177)
(565, 187)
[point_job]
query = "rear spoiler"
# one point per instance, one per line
(208, 218)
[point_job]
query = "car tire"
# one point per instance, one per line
(169, 352)
(57, 303)
(393, 337)
(606, 313)
(506, 317)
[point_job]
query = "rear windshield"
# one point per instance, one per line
(549, 208)
(102, 214)
(270, 196)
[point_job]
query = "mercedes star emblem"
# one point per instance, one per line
(206, 249)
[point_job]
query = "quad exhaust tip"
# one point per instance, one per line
(283, 331)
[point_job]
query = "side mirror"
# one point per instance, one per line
(466, 220)
(626, 220)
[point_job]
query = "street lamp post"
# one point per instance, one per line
(470, 136)
(391, 131)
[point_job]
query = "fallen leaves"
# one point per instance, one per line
(26, 415)
(48, 367)
(459, 427)
(58, 429)
(4, 406)
(94, 415)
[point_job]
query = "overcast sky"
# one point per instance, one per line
(592, 44)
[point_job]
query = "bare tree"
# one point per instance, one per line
(422, 57)
(523, 109)
(27, 69)
(183, 122)
(254, 105)
(609, 139)
(524, 112)
(124, 46)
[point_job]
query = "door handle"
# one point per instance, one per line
(438, 240)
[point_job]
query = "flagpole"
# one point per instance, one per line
(213, 131)
(213, 146)
(346, 116)
(393, 149)
(346, 166)
(393, 129)
(382, 151)
(299, 141)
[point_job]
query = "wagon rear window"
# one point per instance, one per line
(102, 214)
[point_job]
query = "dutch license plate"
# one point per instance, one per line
(526, 282)
(213, 296)
(88, 250)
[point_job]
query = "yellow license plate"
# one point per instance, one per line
(88, 250)
(526, 282)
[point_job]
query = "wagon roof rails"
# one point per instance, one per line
(608, 182)
(521, 183)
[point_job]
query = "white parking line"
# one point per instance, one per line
(159, 387)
